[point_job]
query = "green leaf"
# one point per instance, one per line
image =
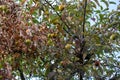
(97, 11)
(97, 2)
(35, 20)
(101, 7)
(101, 17)
(105, 2)
(106, 9)
(111, 2)
(93, 4)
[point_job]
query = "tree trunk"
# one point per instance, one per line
(81, 77)
(21, 74)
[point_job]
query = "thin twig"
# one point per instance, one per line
(68, 31)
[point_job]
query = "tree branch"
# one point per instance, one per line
(68, 31)
(85, 5)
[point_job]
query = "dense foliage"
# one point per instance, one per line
(59, 40)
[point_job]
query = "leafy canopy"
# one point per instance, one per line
(59, 39)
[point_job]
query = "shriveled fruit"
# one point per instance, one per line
(97, 63)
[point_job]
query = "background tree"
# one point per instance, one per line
(59, 40)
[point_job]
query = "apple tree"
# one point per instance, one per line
(59, 40)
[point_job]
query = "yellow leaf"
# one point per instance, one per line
(81, 18)
(46, 12)
(55, 21)
(98, 44)
(61, 7)
(28, 41)
(59, 28)
(68, 46)
(113, 37)
(22, 2)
